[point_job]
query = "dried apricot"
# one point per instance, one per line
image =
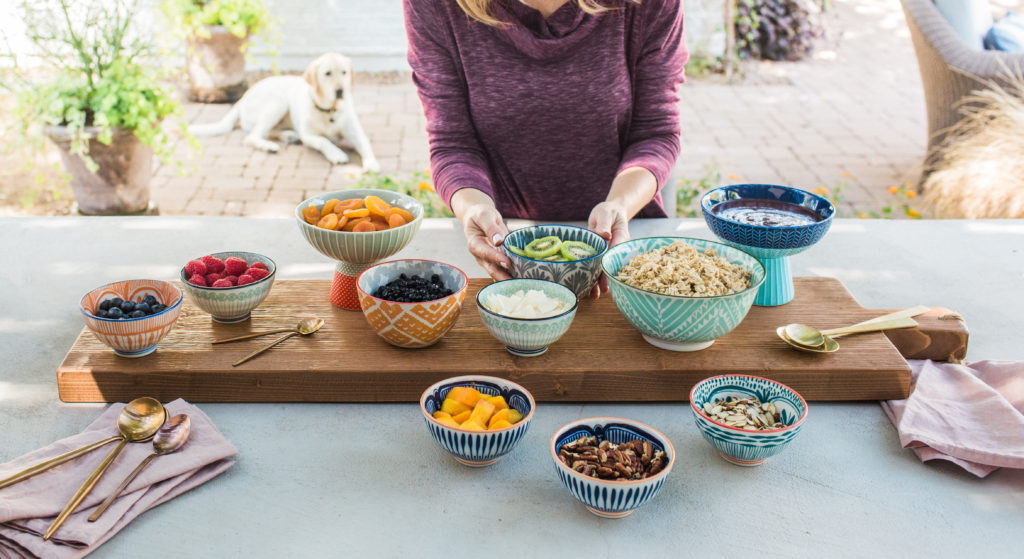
(329, 221)
(341, 223)
(311, 215)
(329, 206)
(351, 204)
(402, 212)
(353, 222)
(364, 227)
(357, 213)
(377, 206)
(395, 220)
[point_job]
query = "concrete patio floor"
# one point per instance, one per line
(852, 117)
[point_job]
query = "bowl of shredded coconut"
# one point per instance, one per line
(527, 315)
(682, 293)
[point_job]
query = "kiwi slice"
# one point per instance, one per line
(576, 250)
(555, 258)
(541, 248)
(516, 250)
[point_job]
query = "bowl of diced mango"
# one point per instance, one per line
(478, 419)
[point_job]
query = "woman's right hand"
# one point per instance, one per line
(484, 229)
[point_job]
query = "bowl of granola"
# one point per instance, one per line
(682, 293)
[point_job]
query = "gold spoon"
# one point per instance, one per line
(830, 345)
(139, 424)
(137, 407)
(810, 337)
(306, 326)
(168, 439)
(313, 327)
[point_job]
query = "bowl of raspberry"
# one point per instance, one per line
(228, 285)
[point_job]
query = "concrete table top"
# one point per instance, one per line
(361, 480)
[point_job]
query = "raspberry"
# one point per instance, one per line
(256, 273)
(210, 278)
(195, 268)
(197, 279)
(222, 283)
(260, 265)
(245, 279)
(213, 265)
(235, 266)
(232, 279)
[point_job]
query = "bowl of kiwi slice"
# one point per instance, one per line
(565, 254)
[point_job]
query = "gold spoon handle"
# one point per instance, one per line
(905, 313)
(124, 484)
(52, 462)
(254, 335)
(872, 327)
(261, 350)
(84, 490)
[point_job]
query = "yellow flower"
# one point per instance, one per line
(734, 177)
(913, 213)
(862, 216)
(911, 194)
(426, 186)
(894, 189)
(846, 175)
(426, 172)
(820, 190)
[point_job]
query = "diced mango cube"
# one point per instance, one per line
(462, 417)
(482, 412)
(514, 416)
(498, 401)
(500, 415)
(442, 415)
(449, 422)
(464, 394)
(453, 408)
(472, 426)
(499, 424)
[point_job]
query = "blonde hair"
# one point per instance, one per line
(480, 9)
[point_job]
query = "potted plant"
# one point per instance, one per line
(217, 33)
(100, 104)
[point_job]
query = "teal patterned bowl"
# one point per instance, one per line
(578, 275)
(673, 322)
(526, 337)
(232, 304)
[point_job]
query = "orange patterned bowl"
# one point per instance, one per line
(411, 325)
(132, 337)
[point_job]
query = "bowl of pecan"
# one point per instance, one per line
(747, 419)
(611, 465)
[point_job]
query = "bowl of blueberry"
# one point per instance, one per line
(412, 303)
(132, 316)
(228, 285)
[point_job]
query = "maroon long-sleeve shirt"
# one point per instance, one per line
(542, 114)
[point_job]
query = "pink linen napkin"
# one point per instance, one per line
(971, 415)
(27, 508)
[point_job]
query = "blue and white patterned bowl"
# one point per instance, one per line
(674, 322)
(764, 241)
(232, 304)
(579, 275)
(610, 499)
(527, 337)
(478, 448)
(741, 446)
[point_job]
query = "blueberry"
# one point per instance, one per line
(116, 302)
(144, 307)
(115, 313)
(127, 306)
(104, 304)
(157, 308)
(137, 314)
(101, 313)
(150, 300)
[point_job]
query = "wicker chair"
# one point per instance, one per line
(950, 69)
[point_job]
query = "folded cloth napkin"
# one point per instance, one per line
(971, 415)
(27, 508)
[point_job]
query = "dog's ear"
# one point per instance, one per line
(311, 77)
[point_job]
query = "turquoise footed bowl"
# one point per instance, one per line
(740, 446)
(674, 322)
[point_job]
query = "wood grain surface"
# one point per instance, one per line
(601, 358)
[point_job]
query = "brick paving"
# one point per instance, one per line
(852, 117)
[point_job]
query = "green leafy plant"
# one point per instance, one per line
(778, 29)
(243, 18)
(99, 83)
(689, 191)
(418, 185)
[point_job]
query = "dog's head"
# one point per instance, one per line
(330, 77)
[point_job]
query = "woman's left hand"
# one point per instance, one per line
(609, 220)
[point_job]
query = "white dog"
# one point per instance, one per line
(318, 105)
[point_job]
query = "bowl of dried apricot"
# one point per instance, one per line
(358, 228)
(478, 419)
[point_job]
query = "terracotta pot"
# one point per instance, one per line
(121, 183)
(216, 67)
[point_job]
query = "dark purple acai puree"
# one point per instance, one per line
(766, 213)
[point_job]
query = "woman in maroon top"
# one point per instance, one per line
(548, 110)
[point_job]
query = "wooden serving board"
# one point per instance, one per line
(601, 357)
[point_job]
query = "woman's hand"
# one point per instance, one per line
(608, 219)
(484, 231)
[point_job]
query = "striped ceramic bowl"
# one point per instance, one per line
(232, 304)
(609, 498)
(478, 448)
(411, 325)
(527, 337)
(579, 275)
(133, 337)
(361, 248)
(680, 323)
(740, 446)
